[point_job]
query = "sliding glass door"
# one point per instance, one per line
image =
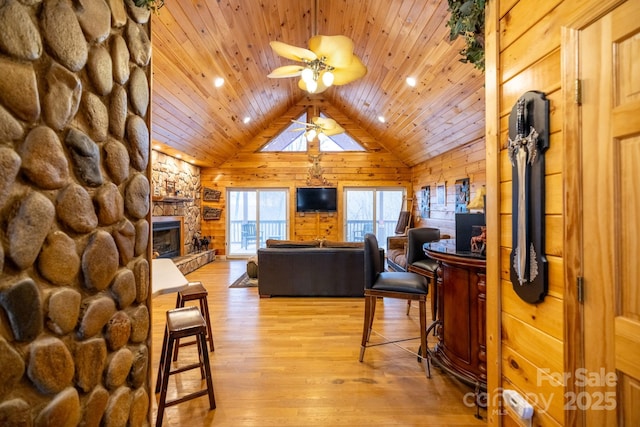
(253, 216)
(372, 210)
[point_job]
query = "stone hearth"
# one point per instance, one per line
(188, 263)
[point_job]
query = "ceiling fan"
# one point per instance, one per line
(319, 125)
(328, 61)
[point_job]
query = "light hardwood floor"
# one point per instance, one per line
(294, 362)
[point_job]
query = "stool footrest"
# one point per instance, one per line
(203, 392)
(185, 368)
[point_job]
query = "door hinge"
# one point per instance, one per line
(580, 287)
(578, 91)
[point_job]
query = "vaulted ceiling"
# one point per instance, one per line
(196, 41)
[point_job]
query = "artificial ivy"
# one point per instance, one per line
(467, 20)
(150, 4)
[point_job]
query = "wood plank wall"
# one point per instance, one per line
(249, 168)
(533, 347)
(465, 162)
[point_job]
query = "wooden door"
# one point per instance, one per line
(609, 69)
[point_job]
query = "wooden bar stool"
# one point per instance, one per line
(181, 323)
(194, 292)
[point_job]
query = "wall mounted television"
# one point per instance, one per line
(316, 199)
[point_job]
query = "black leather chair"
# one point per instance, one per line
(391, 284)
(420, 263)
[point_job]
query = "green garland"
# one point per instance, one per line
(467, 20)
(153, 5)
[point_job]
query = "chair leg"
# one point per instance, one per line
(408, 306)
(204, 309)
(423, 336)
(166, 370)
(204, 358)
(374, 300)
(179, 303)
(434, 299)
(366, 326)
(163, 360)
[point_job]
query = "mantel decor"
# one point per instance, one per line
(528, 141)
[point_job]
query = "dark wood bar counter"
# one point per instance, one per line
(461, 319)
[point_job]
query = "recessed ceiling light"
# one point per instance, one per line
(219, 81)
(381, 119)
(178, 156)
(246, 120)
(156, 147)
(411, 81)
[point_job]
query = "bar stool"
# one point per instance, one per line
(181, 323)
(194, 291)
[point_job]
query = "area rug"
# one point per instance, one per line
(244, 281)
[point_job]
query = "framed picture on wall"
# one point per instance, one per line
(170, 187)
(462, 195)
(425, 202)
(441, 194)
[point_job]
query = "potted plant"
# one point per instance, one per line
(467, 20)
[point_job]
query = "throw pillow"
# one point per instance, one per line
(274, 243)
(332, 244)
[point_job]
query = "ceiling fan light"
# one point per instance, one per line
(311, 134)
(307, 75)
(327, 78)
(312, 86)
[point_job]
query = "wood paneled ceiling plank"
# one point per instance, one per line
(196, 41)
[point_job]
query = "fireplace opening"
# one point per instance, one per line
(166, 239)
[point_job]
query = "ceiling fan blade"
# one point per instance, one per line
(334, 131)
(354, 71)
(286, 71)
(328, 126)
(321, 87)
(324, 122)
(292, 52)
(338, 50)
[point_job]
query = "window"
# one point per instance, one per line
(292, 139)
(340, 142)
(255, 215)
(372, 210)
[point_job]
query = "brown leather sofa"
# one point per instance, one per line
(295, 270)
(402, 251)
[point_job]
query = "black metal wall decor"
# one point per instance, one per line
(528, 140)
(462, 195)
(425, 202)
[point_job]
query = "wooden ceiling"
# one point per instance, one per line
(195, 41)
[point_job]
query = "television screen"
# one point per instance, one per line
(316, 199)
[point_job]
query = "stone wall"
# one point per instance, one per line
(184, 200)
(74, 213)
